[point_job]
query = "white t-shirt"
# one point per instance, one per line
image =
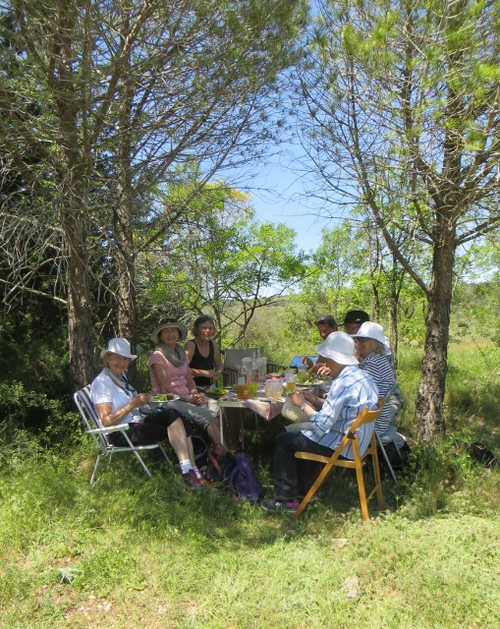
(104, 391)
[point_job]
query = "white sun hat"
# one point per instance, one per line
(119, 346)
(371, 330)
(338, 346)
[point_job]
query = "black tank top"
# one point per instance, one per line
(201, 362)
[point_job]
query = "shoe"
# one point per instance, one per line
(191, 481)
(276, 506)
(313, 499)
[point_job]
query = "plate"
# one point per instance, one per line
(158, 400)
(216, 394)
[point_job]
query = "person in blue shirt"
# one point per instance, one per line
(352, 389)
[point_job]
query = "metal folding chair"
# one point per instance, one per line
(99, 434)
(386, 458)
(335, 460)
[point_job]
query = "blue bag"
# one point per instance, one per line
(243, 481)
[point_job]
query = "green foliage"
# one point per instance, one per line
(23, 409)
(232, 264)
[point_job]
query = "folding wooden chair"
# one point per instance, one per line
(335, 460)
(99, 434)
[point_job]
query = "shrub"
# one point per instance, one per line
(22, 409)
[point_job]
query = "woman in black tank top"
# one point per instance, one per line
(203, 353)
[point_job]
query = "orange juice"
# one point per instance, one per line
(289, 387)
(243, 391)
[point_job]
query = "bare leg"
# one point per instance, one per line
(179, 440)
(191, 451)
(213, 430)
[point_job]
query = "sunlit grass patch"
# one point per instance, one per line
(149, 553)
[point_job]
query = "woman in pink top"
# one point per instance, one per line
(170, 373)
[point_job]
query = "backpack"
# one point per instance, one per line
(219, 466)
(235, 470)
(243, 480)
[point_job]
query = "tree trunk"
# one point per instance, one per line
(125, 256)
(79, 311)
(429, 404)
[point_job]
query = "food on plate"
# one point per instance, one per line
(163, 398)
(216, 392)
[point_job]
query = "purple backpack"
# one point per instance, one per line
(243, 481)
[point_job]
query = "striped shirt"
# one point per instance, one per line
(350, 392)
(380, 369)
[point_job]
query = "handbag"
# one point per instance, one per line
(293, 412)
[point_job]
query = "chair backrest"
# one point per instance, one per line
(365, 417)
(89, 415)
(232, 357)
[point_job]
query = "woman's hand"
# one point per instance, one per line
(324, 370)
(142, 399)
(215, 374)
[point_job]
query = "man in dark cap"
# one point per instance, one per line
(353, 320)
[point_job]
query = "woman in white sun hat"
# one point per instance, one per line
(117, 402)
(371, 346)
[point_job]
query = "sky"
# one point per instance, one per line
(279, 195)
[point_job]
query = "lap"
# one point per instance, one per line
(154, 428)
(201, 415)
(295, 441)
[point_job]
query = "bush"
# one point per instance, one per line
(21, 409)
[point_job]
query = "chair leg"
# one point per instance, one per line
(163, 451)
(384, 453)
(144, 466)
(317, 484)
(312, 490)
(377, 477)
(94, 471)
(362, 493)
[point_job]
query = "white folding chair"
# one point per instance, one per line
(99, 434)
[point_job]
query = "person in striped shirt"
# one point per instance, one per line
(372, 353)
(352, 389)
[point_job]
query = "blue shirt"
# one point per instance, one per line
(350, 392)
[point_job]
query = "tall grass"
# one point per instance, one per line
(136, 552)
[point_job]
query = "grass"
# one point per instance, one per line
(149, 553)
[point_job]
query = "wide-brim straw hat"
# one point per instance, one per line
(338, 346)
(168, 323)
(371, 330)
(118, 346)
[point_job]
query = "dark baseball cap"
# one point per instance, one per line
(356, 316)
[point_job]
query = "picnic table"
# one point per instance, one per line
(265, 407)
(261, 405)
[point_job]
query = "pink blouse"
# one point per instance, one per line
(177, 376)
